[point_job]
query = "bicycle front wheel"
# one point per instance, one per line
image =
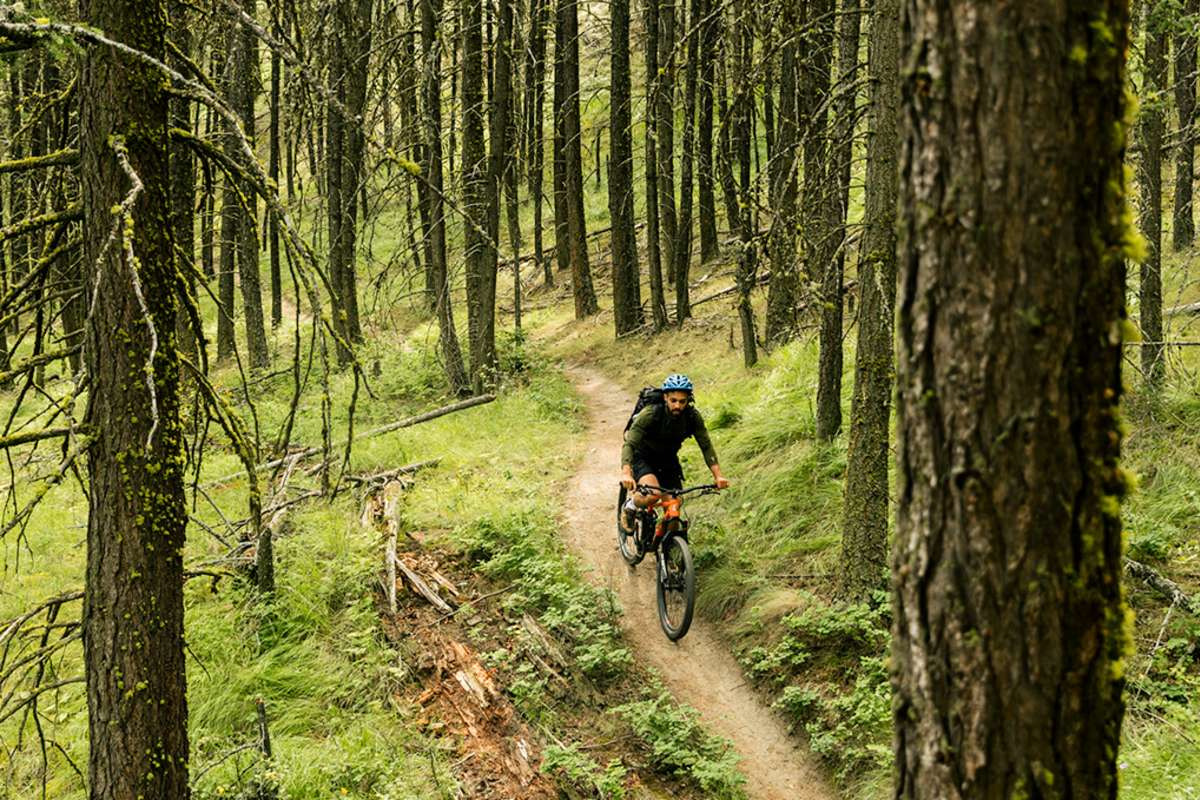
(676, 587)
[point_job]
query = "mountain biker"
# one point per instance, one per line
(650, 455)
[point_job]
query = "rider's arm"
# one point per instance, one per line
(704, 441)
(709, 452)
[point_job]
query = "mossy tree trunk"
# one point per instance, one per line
(1010, 629)
(627, 295)
(864, 526)
(133, 603)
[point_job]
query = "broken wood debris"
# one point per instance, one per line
(418, 585)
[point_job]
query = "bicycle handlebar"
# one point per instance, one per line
(709, 488)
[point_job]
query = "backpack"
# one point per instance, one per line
(653, 396)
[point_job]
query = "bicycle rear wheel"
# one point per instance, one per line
(675, 587)
(627, 540)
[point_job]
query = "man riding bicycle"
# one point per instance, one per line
(650, 456)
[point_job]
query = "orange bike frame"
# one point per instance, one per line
(671, 510)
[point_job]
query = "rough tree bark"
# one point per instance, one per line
(244, 91)
(664, 128)
(183, 192)
(1185, 103)
(433, 216)
(709, 246)
(658, 303)
(819, 181)
(627, 296)
(480, 255)
(567, 37)
(1010, 632)
(740, 194)
(864, 525)
(133, 601)
(781, 294)
(1151, 126)
(683, 235)
(273, 168)
(535, 97)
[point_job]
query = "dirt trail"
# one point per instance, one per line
(698, 670)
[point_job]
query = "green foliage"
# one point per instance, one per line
(679, 746)
(520, 547)
(577, 770)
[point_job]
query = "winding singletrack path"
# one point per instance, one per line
(698, 670)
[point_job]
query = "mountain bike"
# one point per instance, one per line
(667, 538)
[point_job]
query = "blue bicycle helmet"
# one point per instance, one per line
(677, 383)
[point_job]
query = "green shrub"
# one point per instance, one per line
(679, 746)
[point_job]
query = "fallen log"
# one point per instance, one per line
(408, 422)
(388, 476)
(1162, 584)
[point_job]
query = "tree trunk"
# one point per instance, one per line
(747, 266)
(562, 227)
(183, 196)
(665, 133)
(230, 216)
(498, 139)
(133, 602)
(683, 241)
(781, 294)
(480, 256)
(511, 172)
(658, 303)
(356, 27)
(709, 246)
(627, 295)
(535, 96)
(433, 217)
(272, 221)
(864, 525)
(245, 90)
(1011, 633)
(581, 273)
(1151, 124)
(820, 179)
(1185, 103)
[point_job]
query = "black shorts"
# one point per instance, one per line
(668, 470)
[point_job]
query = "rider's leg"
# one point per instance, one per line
(644, 500)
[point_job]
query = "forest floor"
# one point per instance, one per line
(698, 669)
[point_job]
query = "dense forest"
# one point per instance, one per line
(319, 320)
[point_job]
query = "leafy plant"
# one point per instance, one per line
(679, 746)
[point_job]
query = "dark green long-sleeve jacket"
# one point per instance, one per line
(656, 434)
